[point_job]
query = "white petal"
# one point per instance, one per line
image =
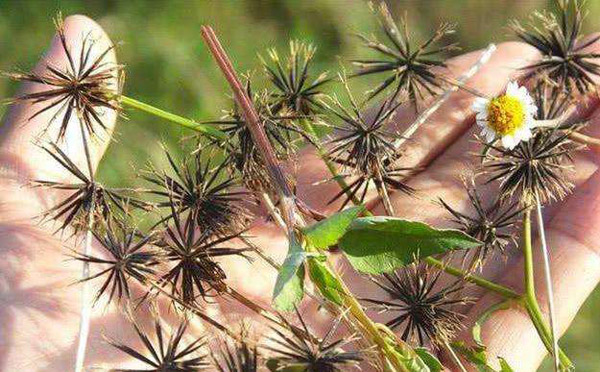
(512, 88)
(490, 135)
(509, 142)
(480, 104)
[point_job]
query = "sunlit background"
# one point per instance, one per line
(168, 66)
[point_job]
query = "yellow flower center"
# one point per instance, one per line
(506, 114)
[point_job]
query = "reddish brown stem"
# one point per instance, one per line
(254, 125)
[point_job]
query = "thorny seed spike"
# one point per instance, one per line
(203, 190)
(313, 355)
(167, 352)
(82, 90)
(536, 167)
(193, 271)
(424, 312)
(411, 71)
(491, 224)
(365, 150)
(558, 37)
(238, 356)
(126, 258)
(84, 192)
(293, 88)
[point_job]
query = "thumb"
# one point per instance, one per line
(39, 117)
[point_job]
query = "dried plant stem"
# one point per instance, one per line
(425, 115)
(548, 278)
(455, 357)
(184, 122)
(265, 198)
(196, 311)
(86, 307)
(585, 139)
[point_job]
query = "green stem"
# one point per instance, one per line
(477, 280)
(322, 152)
(355, 308)
(184, 122)
(530, 299)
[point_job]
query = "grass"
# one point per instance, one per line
(168, 66)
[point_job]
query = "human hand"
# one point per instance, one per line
(39, 309)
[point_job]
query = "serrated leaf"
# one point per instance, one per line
(325, 281)
(289, 287)
(432, 362)
(376, 245)
(328, 232)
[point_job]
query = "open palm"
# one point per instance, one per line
(39, 308)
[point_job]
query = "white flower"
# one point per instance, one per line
(508, 116)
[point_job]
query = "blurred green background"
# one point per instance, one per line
(168, 66)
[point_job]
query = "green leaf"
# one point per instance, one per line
(432, 362)
(476, 355)
(328, 232)
(324, 279)
(375, 245)
(289, 287)
(504, 366)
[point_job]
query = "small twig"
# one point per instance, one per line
(86, 307)
(585, 139)
(255, 126)
(548, 278)
(425, 115)
(273, 212)
(455, 357)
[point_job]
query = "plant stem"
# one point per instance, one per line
(184, 122)
(477, 280)
(531, 303)
(548, 278)
(407, 134)
(454, 356)
(322, 152)
(585, 139)
(86, 307)
(367, 324)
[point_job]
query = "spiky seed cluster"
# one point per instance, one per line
(536, 168)
(201, 190)
(172, 354)
(558, 37)
(281, 130)
(86, 195)
(493, 224)
(193, 271)
(294, 350)
(237, 356)
(295, 91)
(126, 259)
(365, 149)
(412, 71)
(423, 311)
(83, 89)
(552, 101)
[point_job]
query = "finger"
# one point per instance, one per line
(447, 125)
(20, 154)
